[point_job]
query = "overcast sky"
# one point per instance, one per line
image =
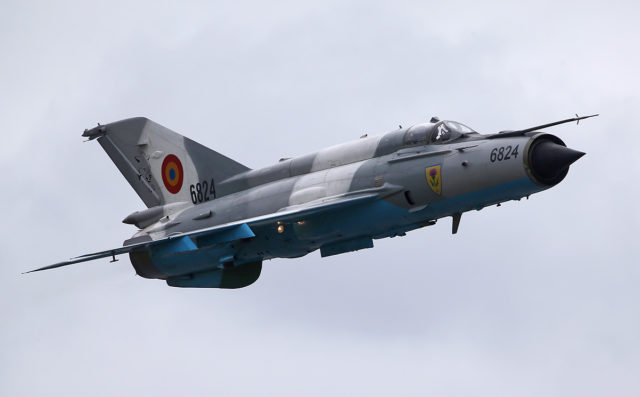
(537, 297)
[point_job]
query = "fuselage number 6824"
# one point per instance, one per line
(503, 153)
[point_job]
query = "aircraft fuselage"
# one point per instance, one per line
(417, 184)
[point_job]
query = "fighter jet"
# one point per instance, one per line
(210, 221)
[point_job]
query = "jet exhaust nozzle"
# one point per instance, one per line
(549, 159)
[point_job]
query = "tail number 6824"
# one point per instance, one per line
(202, 191)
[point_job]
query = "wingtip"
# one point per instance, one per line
(36, 270)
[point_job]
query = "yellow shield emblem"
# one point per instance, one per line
(434, 179)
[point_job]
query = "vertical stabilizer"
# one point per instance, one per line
(162, 166)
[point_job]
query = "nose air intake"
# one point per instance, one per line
(549, 160)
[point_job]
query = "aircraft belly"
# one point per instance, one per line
(369, 220)
(479, 199)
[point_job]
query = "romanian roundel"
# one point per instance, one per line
(172, 173)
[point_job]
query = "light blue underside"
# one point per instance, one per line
(481, 198)
(182, 254)
(375, 219)
(383, 219)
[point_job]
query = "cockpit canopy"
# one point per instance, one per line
(440, 132)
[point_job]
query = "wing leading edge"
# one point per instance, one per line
(243, 227)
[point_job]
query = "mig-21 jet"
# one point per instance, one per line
(211, 221)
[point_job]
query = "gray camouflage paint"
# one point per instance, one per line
(392, 165)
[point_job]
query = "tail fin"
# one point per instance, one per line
(161, 165)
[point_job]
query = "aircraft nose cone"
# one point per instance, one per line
(550, 161)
